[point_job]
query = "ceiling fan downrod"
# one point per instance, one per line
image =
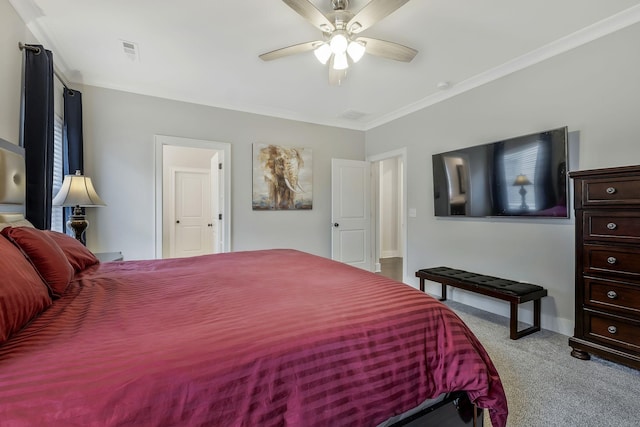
(340, 4)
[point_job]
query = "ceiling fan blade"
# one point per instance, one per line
(308, 11)
(336, 77)
(290, 50)
(374, 11)
(388, 50)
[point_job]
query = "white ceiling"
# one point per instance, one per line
(206, 51)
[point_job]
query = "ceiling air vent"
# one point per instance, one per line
(130, 50)
(353, 115)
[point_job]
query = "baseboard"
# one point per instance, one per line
(390, 254)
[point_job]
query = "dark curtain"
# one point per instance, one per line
(72, 147)
(499, 192)
(37, 135)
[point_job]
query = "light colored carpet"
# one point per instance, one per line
(547, 387)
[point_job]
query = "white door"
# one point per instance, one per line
(193, 224)
(351, 212)
(216, 202)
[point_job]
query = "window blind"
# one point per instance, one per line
(58, 174)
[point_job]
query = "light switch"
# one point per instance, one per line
(413, 212)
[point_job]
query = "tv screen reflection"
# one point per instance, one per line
(523, 176)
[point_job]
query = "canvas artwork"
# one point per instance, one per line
(282, 178)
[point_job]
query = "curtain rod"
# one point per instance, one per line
(36, 49)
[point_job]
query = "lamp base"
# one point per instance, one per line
(78, 224)
(523, 193)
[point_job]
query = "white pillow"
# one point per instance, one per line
(13, 220)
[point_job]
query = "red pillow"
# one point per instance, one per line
(77, 254)
(45, 255)
(23, 295)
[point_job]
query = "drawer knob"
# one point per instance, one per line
(612, 329)
(612, 260)
(611, 190)
(612, 226)
(612, 294)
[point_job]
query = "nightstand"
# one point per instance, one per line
(109, 256)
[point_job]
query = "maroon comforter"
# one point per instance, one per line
(265, 338)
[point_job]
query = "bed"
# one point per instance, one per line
(258, 338)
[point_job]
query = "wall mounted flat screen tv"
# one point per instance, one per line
(524, 176)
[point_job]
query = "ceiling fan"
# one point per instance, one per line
(341, 44)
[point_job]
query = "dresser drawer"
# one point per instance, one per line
(611, 191)
(611, 259)
(612, 295)
(611, 226)
(613, 330)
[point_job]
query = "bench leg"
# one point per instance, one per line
(514, 334)
(443, 293)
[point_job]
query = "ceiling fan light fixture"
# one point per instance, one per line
(338, 43)
(323, 53)
(340, 61)
(356, 50)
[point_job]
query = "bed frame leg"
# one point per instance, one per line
(475, 416)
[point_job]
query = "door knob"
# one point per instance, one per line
(335, 224)
(178, 221)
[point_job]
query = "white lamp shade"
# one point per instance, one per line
(522, 180)
(338, 44)
(323, 53)
(340, 61)
(77, 190)
(356, 50)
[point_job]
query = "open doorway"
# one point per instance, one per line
(192, 197)
(388, 196)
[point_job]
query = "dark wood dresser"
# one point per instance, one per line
(607, 207)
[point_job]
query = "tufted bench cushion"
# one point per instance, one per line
(503, 285)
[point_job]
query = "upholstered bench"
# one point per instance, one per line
(507, 290)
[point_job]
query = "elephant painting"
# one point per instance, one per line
(282, 178)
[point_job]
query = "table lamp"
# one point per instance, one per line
(77, 191)
(522, 180)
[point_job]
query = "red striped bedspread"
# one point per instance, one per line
(260, 338)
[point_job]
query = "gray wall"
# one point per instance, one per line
(12, 31)
(593, 89)
(119, 129)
